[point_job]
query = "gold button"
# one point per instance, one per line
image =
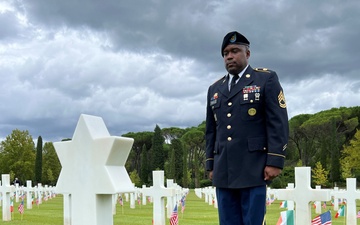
(251, 101)
(229, 138)
(228, 127)
(230, 104)
(229, 115)
(264, 148)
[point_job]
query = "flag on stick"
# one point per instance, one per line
(174, 219)
(21, 207)
(340, 212)
(286, 218)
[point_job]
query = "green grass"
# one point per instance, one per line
(197, 212)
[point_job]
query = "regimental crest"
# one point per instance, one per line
(281, 98)
(233, 38)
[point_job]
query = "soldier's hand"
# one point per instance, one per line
(271, 172)
(210, 175)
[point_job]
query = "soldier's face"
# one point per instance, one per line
(236, 58)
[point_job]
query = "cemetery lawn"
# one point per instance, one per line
(197, 212)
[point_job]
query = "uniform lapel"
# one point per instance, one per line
(223, 88)
(245, 80)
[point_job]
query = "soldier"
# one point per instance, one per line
(246, 134)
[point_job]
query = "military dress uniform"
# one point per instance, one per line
(246, 130)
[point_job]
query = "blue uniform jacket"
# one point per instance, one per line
(246, 129)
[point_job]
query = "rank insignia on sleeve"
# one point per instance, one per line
(281, 98)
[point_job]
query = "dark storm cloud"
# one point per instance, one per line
(141, 63)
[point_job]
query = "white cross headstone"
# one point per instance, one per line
(29, 191)
(17, 190)
(302, 194)
(132, 200)
(206, 193)
(336, 200)
(95, 160)
(351, 194)
(158, 192)
(143, 196)
(6, 191)
(0, 196)
(67, 209)
(290, 204)
(318, 203)
(40, 193)
(114, 201)
(170, 199)
(198, 192)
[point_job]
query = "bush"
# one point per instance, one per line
(205, 183)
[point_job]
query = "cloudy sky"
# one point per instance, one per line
(141, 63)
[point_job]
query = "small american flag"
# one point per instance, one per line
(182, 204)
(21, 207)
(324, 205)
(174, 219)
(121, 200)
(322, 219)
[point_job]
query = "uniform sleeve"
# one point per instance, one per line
(210, 134)
(277, 124)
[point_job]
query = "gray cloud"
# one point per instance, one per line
(137, 64)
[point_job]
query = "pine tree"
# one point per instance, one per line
(320, 175)
(38, 161)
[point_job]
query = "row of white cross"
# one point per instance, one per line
(157, 193)
(302, 194)
(8, 191)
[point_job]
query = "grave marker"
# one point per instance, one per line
(302, 194)
(158, 192)
(95, 160)
(29, 191)
(6, 191)
(290, 204)
(336, 200)
(351, 194)
(170, 199)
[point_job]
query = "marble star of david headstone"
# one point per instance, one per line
(93, 169)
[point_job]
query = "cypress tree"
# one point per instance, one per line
(158, 149)
(144, 173)
(38, 161)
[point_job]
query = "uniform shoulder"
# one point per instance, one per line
(222, 79)
(263, 70)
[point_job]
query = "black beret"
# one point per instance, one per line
(233, 37)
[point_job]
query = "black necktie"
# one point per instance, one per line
(233, 81)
